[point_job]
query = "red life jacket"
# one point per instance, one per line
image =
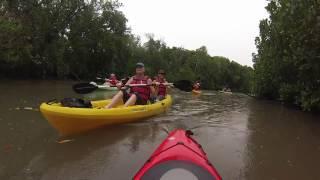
(162, 89)
(143, 91)
(196, 86)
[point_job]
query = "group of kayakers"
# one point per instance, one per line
(142, 88)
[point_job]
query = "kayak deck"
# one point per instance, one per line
(196, 92)
(178, 157)
(68, 120)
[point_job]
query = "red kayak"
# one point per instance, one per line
(179, 156)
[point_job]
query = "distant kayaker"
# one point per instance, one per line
(138, 95)
(161, 89)
(113, 81)
(196, 86)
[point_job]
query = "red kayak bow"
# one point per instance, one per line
(179, 156)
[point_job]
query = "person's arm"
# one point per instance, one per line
(120, 85)
(168, 88)
(129, 81)
(154, 82)
(152, 89)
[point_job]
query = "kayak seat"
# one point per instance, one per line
(76, 102)
(177, 169)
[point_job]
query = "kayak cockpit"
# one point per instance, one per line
(177, 169)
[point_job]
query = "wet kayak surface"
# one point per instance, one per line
(244, 138)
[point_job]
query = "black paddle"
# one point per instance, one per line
(100, 80)
(84, 88)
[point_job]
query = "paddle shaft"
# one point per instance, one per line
(84, 88)
(142, 85)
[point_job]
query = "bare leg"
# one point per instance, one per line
(115, 100)
(154, 91)
(131, 101)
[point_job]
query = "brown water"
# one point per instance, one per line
(243, 137)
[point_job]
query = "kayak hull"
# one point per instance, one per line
(68, 120)
(178, 151)
(195, 92)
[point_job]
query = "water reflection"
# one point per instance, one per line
(281, 144)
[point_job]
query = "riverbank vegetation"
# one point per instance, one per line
(79, 39)
(287, 65)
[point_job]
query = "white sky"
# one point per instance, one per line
(226, 27)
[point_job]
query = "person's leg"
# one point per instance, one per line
(131, 101)
(115, 100)
(153, 99)
(153, 94)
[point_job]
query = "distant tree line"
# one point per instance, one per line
(287, 65)
(81, 39)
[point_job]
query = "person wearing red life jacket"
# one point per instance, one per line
(138, 95)
(112, 81)
(161, 89)
(196, 86)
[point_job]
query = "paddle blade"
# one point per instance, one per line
(84, 88)
(183, 85)
(125, 80)
(100, 80)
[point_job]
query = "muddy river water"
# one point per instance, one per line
(244, 138)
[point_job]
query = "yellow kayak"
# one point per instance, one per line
(69, 120)
(195, 92)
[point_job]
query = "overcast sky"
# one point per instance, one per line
(226, 27)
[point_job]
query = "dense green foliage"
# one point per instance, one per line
(80, 39)
(287, 66)
(58, 38)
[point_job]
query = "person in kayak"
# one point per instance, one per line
(197, 86)
(138, 95)
(112, 81)
(161, 89)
